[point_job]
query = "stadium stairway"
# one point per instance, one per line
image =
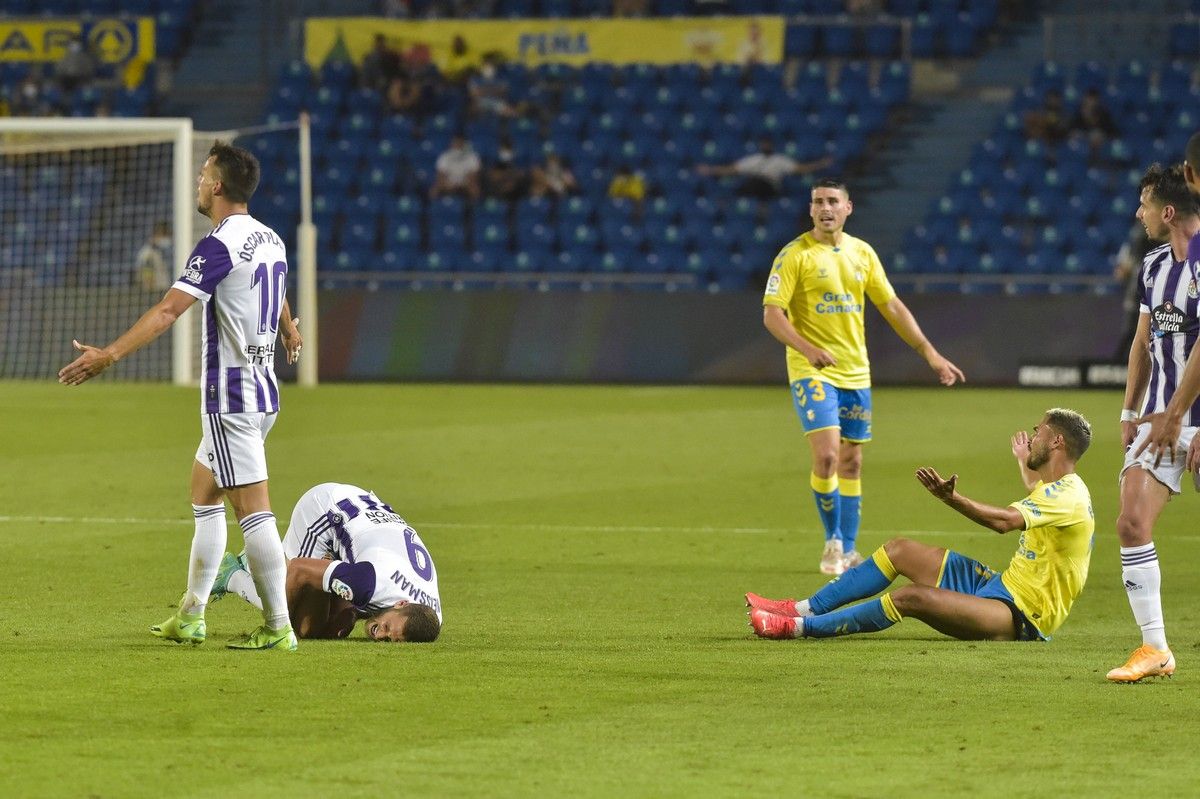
(935, 139)
(223, 80)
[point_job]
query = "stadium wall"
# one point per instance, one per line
(652, 337)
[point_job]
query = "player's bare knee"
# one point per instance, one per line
(825, 462)
(910, 599)
(896, 549)
(1133, 530)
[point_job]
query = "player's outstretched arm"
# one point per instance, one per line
(905, 324)
(1002, 520)
(776, 321)
(94, 360)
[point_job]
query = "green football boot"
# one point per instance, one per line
(183, 628)
(230, 563)
(266, 638)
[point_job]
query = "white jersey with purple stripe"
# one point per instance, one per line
(378, 558)
(1170, 297)
(239, 271)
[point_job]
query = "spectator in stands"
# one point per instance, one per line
(505, 179)
(627, 185)
(153, 267)
(406, 95)
(630, 8)
(461, 62)
(76, 67)
(552, 179)
(763, 172)
(1048, 123)
(752, 49)
(1093, 120)
(28, 101)
(380, 66)
(457, 171)
(488, 92)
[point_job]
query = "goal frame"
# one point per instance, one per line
(179, 131)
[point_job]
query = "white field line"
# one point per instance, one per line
(548, 528)
(556, 528)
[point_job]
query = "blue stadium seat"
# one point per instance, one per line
(837, 41)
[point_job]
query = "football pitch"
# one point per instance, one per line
(593, 545)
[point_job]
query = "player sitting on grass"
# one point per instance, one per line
(349, 555)
(952, 593)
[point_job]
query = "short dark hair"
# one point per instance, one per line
(239, 171)
(421, 625)
(1192, 152)
(1168, 187)
(1075, 430)
(832, 183)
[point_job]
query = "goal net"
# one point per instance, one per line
(97, 216)
(92, 213)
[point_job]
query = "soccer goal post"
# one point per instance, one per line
(93, 213)
(98, 215)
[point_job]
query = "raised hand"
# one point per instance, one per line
(933, 482)
(1020, 446)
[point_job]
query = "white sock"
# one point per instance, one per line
(802, 608)
(208, 547)
(267, 566)
(1143, 583)
(242, 584)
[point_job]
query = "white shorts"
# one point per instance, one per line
(1167, 473)
(233, 447)
(310, 532)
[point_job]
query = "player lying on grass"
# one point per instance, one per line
(952, 593)
(349, 556)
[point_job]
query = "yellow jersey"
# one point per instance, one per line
(822, 288)
(1051, 562)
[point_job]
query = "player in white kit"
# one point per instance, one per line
(350, 556)
(239, 272)
(1166, 333)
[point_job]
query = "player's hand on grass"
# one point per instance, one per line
(942, 489)
(1164, 432)
(818, 357)
(292, 340)
(1020, 446)
(92, 362)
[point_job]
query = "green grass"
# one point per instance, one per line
(593, 545)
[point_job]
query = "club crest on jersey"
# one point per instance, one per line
(773, 283)
(339, 588)
(1192, 292)
(1167, 318)
(192, 272)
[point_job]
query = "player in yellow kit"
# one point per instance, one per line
(957, 595)
(814, 304)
